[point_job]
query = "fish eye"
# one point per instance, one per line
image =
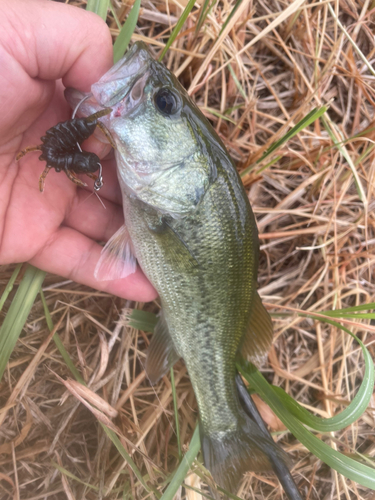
(166, 101)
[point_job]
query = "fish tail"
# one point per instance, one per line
(249, 447)
(229, 454)
(278, 462)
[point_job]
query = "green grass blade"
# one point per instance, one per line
(219, 115)
(237, 82)
(343, 464)
(348, 310)
(123, 39)
(361, 192)
(204, 13)
(354, 45)
(143, 320)
(112, 436)
(184, 467)
(352, 412)
(66, 473)
(175, 408)
(100, 7)
(60, 346)
(350, 315)
(178, 27)
(116, 441)
(237, 4)
(305, 122)
(115, 16)
(9, 286)
(18, 312)
(267, 165)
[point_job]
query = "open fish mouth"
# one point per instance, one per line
(118, 81)
(121, 88)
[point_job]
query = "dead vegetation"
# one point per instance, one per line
(315, 210)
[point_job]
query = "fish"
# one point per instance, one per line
(190, 226)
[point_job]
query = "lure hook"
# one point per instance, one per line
(98, 184)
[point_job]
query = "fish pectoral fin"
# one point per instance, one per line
(117, 259)
(258, 337)
(181, 245)
(161, 354)
(179, 253)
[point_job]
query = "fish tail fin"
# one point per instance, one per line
(229, 454)
(279, 461)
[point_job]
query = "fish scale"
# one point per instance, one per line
(220, 295)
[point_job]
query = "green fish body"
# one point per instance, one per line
(189, 224)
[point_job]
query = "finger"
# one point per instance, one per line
(89, 217)
(33, 58)
(73, 44)
(74, 256)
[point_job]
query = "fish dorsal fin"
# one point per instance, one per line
(117, 259)
(258, 337)
(161, 354)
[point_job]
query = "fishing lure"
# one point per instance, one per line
(61, 149)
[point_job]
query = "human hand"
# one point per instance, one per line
(45, 46)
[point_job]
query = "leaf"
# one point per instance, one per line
(236, 81)
(329, 125)
(178, 27)
(343, 464)
(355, 409)
(123, 39)
(305, 122)
(9, 286)
(143, 320)
(18, 312)
(175, 409)
(60, 346)
(204, 13)
(219, 115)
(292, 414)
(99, 7)
(184, 467)
(237, 4)
(72, 476)
(116, 441)
(112, 436)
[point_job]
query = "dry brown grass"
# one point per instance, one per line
(316, 235)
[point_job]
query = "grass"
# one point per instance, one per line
(258, 71)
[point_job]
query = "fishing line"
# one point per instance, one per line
(100, 200)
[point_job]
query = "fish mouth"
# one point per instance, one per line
(121, 88)
(118, 81)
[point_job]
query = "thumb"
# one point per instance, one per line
(40, 42)
(50, 41)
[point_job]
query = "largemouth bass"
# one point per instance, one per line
(189, 224)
